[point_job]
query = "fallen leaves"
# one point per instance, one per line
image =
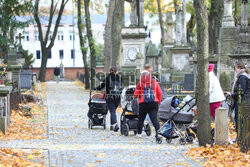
(22, 127)
(221, 155)
(9, 157)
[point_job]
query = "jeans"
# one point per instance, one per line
(112, 106)
(152, 110)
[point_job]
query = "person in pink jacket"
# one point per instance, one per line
(149, 93)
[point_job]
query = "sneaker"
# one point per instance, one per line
(139, 135)
(116, 127)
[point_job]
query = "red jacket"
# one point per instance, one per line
(148, 81)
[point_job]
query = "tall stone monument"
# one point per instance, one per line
(133, 39)
(242, 51)
(181, 52)
(227, 43)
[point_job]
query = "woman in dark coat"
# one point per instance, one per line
(113, 87)
(242, 81)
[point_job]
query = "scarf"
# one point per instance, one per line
(237, 77)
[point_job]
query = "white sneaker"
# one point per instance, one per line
(139, 135)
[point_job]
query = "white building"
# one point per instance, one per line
(67, 39)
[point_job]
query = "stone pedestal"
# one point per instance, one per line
(133, 48)
(221, 126)
(180, 63)
(5, 107)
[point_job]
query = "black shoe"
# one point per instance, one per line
(116, 128)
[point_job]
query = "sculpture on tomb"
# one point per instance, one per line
(137, 12)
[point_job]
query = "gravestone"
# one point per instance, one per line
(5, 107)
(25, 79)
(189, 82)
(61, 71)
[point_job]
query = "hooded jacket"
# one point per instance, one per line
(106, 83)
(147, 81)
(242, 80)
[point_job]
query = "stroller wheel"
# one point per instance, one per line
(125, 129)
(190, 139)
(182, 141)
(148, 129)
(89, 124)
(104, 123)
(135, 132)
(168, 141)
(158, 140)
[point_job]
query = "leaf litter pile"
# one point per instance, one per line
(18, 158)
(227, 155)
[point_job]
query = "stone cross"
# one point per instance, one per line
(228, 20)
(20, 37)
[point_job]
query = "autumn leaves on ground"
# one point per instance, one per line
(24, 127)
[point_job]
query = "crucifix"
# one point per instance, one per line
(20, 37)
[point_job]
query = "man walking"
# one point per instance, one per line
(57, 73)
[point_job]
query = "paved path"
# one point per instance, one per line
(71, 143)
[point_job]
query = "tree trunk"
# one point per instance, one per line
(45, 46)
(161, 23)
(116, 32)
(84, 50)
(214, 20)
(202, 87)
(91, 43)
(108, 42)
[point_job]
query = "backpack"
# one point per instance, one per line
(115, 87)
(148, 96)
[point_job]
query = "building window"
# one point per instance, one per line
(38, 54)
(50, 37)
(70, 37)
(58, 37)
(36, 38)
(61, 54)
(27, 38)
(72, 54)
(50, 55)
(62, 37)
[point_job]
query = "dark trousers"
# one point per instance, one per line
(152, 110)
(112, 106)
(236, 115)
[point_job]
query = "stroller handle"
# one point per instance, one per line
(90, 92)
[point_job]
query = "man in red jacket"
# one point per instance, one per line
(149, 93)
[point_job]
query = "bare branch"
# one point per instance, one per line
(50, 21)
(38, 21)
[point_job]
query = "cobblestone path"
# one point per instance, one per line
(71, 144)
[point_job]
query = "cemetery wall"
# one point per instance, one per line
(70, 73)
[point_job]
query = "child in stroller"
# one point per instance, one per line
(130, 111)
(176, 119)
(97, 110)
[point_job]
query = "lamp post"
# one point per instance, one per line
(73, 22)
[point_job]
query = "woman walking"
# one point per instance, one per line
(149, 93)
(113, 86)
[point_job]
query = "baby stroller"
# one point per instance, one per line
(97, 110)
(130, 114)
(176, 118)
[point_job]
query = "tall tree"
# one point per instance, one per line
(45, 43)
(161, 23)
(9, 10)
(116, 30)
(91, 43)
(214, 23)
(83, 41)
(202, 87)
(107, 40)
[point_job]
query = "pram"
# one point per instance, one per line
(130, 112)
(97, 110)
(176, 119)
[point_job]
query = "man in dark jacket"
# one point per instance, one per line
(57, 73)
(113, 88)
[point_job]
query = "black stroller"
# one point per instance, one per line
(129, 117)
(176, 119)
(97, 110)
